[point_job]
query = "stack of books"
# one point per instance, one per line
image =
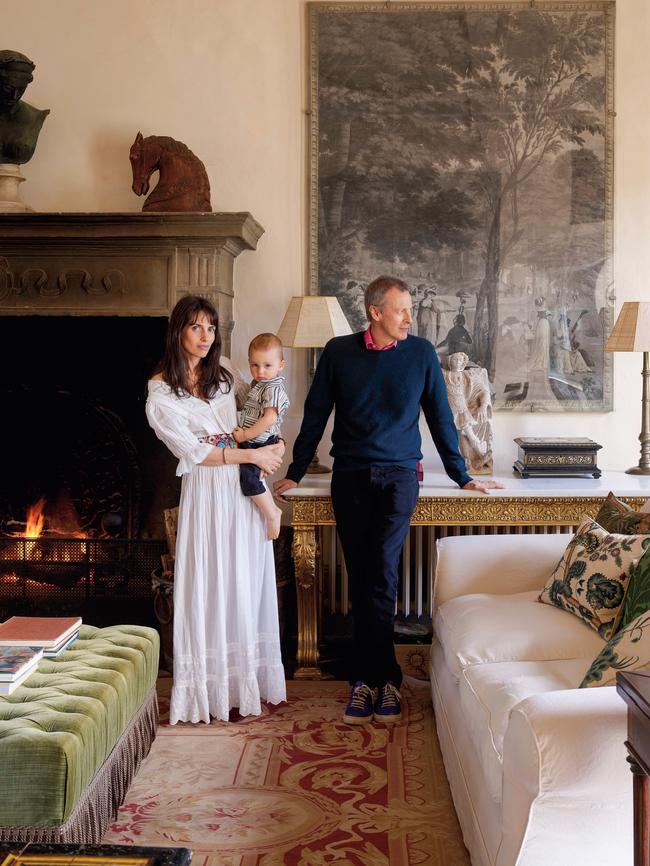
(53, 634)
(16, 664)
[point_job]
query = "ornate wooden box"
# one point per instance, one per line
(551, 456)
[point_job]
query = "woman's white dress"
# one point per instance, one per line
(226, 634)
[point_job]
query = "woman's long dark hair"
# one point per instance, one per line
(173, 365)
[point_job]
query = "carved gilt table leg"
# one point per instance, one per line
(305, 551)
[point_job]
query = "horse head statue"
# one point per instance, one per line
(183, 183)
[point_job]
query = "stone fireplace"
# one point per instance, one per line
(84, 300)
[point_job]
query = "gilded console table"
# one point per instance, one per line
(530, 502)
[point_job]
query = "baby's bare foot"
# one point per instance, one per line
(273, 525)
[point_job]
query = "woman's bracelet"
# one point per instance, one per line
(224, 457)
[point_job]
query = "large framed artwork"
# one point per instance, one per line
(467, 148)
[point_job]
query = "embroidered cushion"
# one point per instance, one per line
(617, 516)
(591, 578)
(628, 650)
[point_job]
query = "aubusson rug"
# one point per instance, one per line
(297, 786)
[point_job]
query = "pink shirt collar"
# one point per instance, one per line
(367, 338)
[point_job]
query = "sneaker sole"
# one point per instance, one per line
(390, 720)
(356, 720)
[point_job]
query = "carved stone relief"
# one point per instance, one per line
(121, 264)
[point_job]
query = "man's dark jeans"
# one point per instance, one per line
(373, 509)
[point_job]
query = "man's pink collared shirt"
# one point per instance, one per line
(367, 337)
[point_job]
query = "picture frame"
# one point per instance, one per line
(467, 149)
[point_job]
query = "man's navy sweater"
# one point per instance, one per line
(377, 398)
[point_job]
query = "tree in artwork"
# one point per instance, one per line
(464, 151)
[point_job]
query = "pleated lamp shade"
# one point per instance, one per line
(631, 331)
(311, 321)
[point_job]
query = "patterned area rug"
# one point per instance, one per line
(297, 786)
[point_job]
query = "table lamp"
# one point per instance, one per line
(309, 323)
(631, 333)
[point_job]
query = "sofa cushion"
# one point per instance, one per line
(637, 600)
(617, 516)
(479, 628)
(591, 578)
(489, 692)
(628, 650)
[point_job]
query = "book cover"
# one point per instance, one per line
(45, 631)
(53, 652)
(15, 660)
(7, 688)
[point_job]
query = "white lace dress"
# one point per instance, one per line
(226, 636)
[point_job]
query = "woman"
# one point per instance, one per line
(226, 637)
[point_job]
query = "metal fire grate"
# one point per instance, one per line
(108, 579)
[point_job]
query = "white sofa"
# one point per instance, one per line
(537, 767)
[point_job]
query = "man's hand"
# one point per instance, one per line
(282, 486)
(482, 486)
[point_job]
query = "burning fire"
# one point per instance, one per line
(35, 519)
(63, 522)
(44, 549)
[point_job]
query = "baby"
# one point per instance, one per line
(261, 417)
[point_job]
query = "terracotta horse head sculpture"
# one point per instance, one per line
(183, 183)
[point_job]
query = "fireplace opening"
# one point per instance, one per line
(81, 460)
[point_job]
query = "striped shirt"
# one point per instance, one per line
(264, 395)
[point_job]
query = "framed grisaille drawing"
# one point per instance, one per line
(468, 149)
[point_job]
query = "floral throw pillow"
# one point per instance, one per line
(628, 650)
(617, 516)
(637, 600)
(591, 578)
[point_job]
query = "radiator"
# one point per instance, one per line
(414, 596)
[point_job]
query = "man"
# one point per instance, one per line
(377, 381)
(20, 123)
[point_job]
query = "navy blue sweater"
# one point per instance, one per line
(377, 398)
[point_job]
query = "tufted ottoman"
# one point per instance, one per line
(73, 736)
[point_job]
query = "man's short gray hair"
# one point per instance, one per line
(377, 289)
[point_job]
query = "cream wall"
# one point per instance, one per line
(229, 78)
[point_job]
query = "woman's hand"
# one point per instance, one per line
(268, 457)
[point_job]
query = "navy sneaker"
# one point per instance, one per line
(388, 706)
(359, 710)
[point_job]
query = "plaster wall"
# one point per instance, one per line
(229, 78)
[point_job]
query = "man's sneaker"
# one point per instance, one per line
(359, 709)
(388, 706)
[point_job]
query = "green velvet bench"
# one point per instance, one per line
(73, 736)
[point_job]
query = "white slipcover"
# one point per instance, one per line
(536, 766)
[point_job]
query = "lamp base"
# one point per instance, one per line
(316, 467)
(638, 470)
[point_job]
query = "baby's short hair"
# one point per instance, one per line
(265, 341)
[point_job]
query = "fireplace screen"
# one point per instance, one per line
(92, 577)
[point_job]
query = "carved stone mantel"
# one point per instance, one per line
(120, 264)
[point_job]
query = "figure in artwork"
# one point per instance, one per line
(430, 315)
(541, 349)
(468, 391)
(183, 183)
(457, 339)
